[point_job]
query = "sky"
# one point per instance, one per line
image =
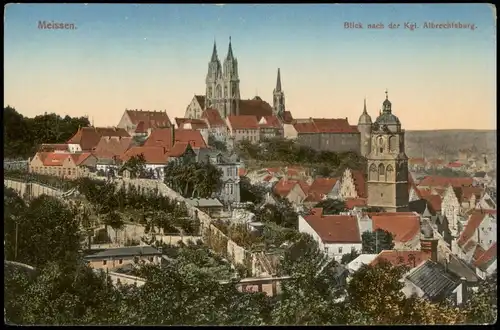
(155, 57)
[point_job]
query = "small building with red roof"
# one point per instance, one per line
(243, 127)
(87, 138)
(336, 234)
(270, 127)
(139, 122)
(293, 190)
(66, 165)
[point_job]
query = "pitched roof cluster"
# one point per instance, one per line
(164, 137)
(442, 182)
(324, 125)
(112, 146)
(333, 229)
(403, 225)
(152, 155)
(473, 223)
(57, 159)
(213, 118)
(255, 107)
(284, 186)
(89, 137)
(319, 188)
(402, 257)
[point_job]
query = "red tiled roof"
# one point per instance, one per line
(188, 123)
(270, 122)
(255, 107)
(424, 192)
(473, 223)
(109, 147)
(440, 181)
(355, 202)
(201, 100)
(284, 186)
(468, 192)
(150, 119)
(54, 159)
(322, 186)
(403, 227)
(396, 258)
(434, 201)
(324, 125)
(178, 149)
(304, 185)
(89, 137)
(335, 228)
(80, 158)
(213, 118)
(160, 137)
(191, 136)
(313, 197)
(478, 252)
(436, 161)
(152, 155)
(484, 260)
(243, 122)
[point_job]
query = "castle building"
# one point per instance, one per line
(387, 163)
(222, 93)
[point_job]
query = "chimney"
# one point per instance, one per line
(430, 245)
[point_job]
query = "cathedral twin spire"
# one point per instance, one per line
(215, 56)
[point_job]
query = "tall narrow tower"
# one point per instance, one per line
(365, 129)
(231, 85)
(387, 163)
(278, 98)
(213, 94)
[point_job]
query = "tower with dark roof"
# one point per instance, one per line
(365, 129)
(278, 98)
(387, 163)
(223, 84)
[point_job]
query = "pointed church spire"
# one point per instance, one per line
(278, 82)
(230, 51)
(214, 52)
(364, 107)
(386, 94)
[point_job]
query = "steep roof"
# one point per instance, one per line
(433, 280)
(255, 107)
(434, 201)
(404, 227)
(269, 122)
(160, 137)
(150, 119)
(213, 118)
(284, 186)
(487, 258)
(473, 223)
(57, 159)
(402, 257)
(201, 100)
(335, 228)
(191, 136)
(152, 155)
(89, 137)
(243, 122)
(322, 186)
(109, 147)
(287, 117)
(178, 149)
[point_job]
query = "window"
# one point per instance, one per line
(340, 249)
(231, 189)
(120, 261)
(104, 262)
(490, 241)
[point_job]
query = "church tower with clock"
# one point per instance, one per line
(387, 163)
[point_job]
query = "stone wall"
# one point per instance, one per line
(37, 189)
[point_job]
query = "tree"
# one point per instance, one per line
(114, 220)
(47, 231)
(348, 257)
(482, 306)
(251, 193)
(331, 206)
(377, 241)
(374, 209)
(136, 165)
(199, 180)
(282, 213)
(218, 145)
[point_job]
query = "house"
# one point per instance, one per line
(87, 138)
(211, 206)
(352, 185)
(243, 128)
(140, 123)
(228, 164)
(323, 134)
(293, 190)
(168, 137)
(289, 131)
(322, 188)
(434, 203)
(182, 152)
(156, 158)
(270, 127)
(434, 181)
(456, 202)
(431, 280)
(336, 234)
(67, 165)
(488, 199)
(352, 203)
(456, 166)
(409, 258)
(108, 151)
(195, 108)
(112, 258)
(405, 226)
(217, 127)
(193, 124)
(417, 164)
(480, 229)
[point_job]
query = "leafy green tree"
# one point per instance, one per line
(114, 220)
(218, 145)
(482, 306)
(374, 209)
(282, 213)
(331, 206)
(348, 257)
(377, 241)
(251, 193)
(200, 180)
(47, 231)
(136, 165)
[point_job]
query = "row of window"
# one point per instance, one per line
(339, 249)
(229, 189)
(54, 170)
(231, 171)
(120, 261)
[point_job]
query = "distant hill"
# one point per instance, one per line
(437, 143)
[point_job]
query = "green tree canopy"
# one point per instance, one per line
(376, 241)
(331, 206)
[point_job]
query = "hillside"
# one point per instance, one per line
(440, 142)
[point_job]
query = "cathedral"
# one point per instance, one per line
(382, 143)
(222, 92)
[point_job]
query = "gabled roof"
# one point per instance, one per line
(255, 107)
(284, 186)
(433, 280)
(152, 155)
(335, 228)
(243, 122)
(325, 125)
(322, 186)
(487, 258)
(109, 147)
(434, 201)
(160, 137)
(191, 136)
(213, 118)
(201, 100)
(473, 223)
(89, 137)
(79, 158)
(150, 119)
(287, 117)
(57, 159)
(402, 257)
(178, 149)
(269, 122)
(403, 226)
